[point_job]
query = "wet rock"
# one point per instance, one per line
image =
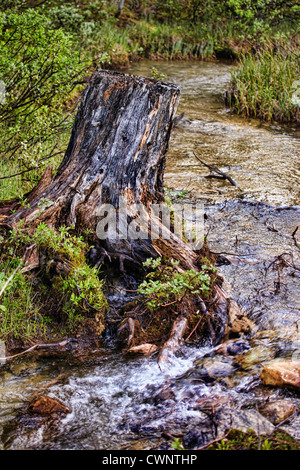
(213, 368)
(255, 357)
(159, 395)
(222, 260)
(197, 438)
(283, 374)
(144, 349)
(233, 347)
(213, 402)
(45, 406)
(164, 395)
(291, 333)
(244, 382)
(240, 324)
(278, 411)
(243, 420)
(221, 420)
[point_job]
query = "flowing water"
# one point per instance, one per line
(120, 403)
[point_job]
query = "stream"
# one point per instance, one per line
(121, 403)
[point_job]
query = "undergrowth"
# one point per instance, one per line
(239, 440)
(60, 293)
(165, 284)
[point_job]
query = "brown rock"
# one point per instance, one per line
(46, 406)
(238, 323)
(278, 411)
(282, 374)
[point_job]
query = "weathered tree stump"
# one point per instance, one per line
(118, 150)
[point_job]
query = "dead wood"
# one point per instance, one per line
(118, 149)
(219, 174)
(39, 346)
(174, 341)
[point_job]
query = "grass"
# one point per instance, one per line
(48, 300)
(10, 187)
(27, 178)
(20, 314)
(262, 87)
(151, 39)
(239, 440)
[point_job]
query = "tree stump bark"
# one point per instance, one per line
(117, 149)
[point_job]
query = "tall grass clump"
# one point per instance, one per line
(264, 84)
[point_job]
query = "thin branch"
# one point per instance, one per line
(218, 172)
(38, 345)
(19, 354)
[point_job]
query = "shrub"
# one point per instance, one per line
(40, 68)
(164, 284)
(64, 274)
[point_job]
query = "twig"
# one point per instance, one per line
(19, 354)
(171, 303)
(204, 312)
(38, 345)
(294, 237)
(218, 172)
(198, 323)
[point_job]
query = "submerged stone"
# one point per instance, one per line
(278, 411)
(254, 357)
(233, 347)
(46, 406)
(211, 369)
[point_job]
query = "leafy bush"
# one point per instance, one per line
(40, 68)
(164, 284)
(20, 315)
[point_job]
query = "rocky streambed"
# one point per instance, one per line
(101, 399)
